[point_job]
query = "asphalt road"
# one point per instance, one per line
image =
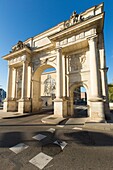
(27, 144)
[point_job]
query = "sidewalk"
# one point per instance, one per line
(98, 126)
(4, 114)
(83, 122)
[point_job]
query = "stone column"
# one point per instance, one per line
(67, 76)
(103, 71)
(9, 103)
(14, 84)
(64, 75)
(29, 81)
(96, 102)
(9, 83)
(59, 74)
(60, 103)
(93, 68)
(24, 80)
(24, 104)
(17, 84)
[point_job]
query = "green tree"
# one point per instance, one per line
(110, 92)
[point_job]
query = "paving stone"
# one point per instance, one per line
(52, 130)
(39, 137)
(60, 126)
(77, 128)
(41, 160)
(19, 148)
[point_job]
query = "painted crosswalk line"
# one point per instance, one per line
(39, 137)
(77, 128)
(52, 130)
(62, 144)
(60, 126)
(19, 148)
(41, 160)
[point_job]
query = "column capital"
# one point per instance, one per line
(30, 64)
(13, 68)
(92, 39)
(104, 69)
(59, 49)
(25, 62)
(24, 57)
(10, 66)
(57, 44)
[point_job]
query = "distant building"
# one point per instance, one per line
(83, 96)
(79, 97)
(2, 95)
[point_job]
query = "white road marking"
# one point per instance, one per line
(41, 160)
(51, 130)
(62, 144)
(77, 128)
(39, 137)
(60, 126)
(18, 148)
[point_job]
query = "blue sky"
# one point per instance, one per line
(22, 19)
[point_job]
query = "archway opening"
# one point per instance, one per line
(44, 89)
(48, 88)
(80, 102)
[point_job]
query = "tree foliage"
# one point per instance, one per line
(110, 92)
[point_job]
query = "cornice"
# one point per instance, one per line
(76, 27)
(17, 53)
(46, 47)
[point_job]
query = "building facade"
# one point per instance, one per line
(75, 48)
(2, 96)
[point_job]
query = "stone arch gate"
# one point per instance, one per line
(76, 49)
(72, 88)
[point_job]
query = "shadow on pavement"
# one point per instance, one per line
(86, 138)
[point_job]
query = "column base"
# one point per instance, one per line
(108, 115)
(70, 107)
(10, 105)
(60, 107)
(97, 111)
(24, 106)
(36, 105)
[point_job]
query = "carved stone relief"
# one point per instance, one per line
(19, 82)
(74, 63)
(20, 45)
(37, 61)
(83, 61)
(18, 59)
(74, 18)
(49, 86)
(77, 62)
(76, 37)
(52, 60)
